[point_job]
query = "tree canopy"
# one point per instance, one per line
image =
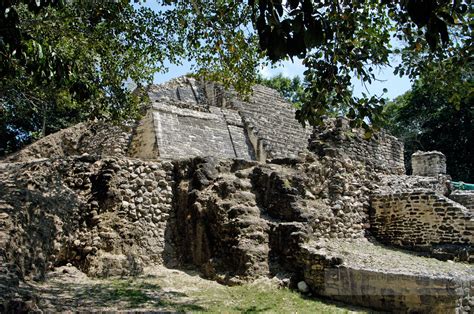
(430, 117)
(65, 61)
(341, 39)
(292, 89)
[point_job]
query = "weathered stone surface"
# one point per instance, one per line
(218, 226)
(185, 125)
(211, 121)
(387, 184)
(423, 220)
(303, 287)
(429, 164)
(271, 124)
(303, 216)
(359, 272)
(381, 153)
(185, 132)
(465, 198)
(88, 138)
(70, 210)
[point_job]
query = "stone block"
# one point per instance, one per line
(429, 164)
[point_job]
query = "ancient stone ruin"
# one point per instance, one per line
(239, 190)
(428, 164)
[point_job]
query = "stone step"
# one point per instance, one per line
(240, 210)
(244, 198)
(248, 221)
(465, 198)
(363, 273)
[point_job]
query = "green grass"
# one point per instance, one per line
(249, 298)
(126, 291)
(181, 292)
(262, 299)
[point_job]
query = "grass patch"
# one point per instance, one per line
(263, 299)
(133, 294)
(143, 294)
(129, 293)
(179, 291)
(248, 298)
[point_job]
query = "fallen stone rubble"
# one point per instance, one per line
(234, 220)
(335, 220)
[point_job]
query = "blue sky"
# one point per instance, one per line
(394, 84)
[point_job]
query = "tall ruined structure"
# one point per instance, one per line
(238, 190)
(191, 119)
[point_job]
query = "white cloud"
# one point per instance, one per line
(287, 68)
(265, 71)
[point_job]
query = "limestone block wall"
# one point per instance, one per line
(185, 126)
(269, 120)
(389, 291)
(428, 164)
(420, 220)
(382, 152)
(185, 132)
(371, 275)
(242, 145)
(272, 119)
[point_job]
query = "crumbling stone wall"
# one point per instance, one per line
(94, 138)
(110, 216)
(218, 226)
(9, 281)
(271, 120)
(233, 219)
(429, 164)
(329, 194)
(381, 153)
(387, 184)
(106, 216)
(201, 119)
(422, 220)
(238, 219)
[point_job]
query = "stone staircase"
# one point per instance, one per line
(465, 198)
(272, 119)
(369, 274)
(223, 233)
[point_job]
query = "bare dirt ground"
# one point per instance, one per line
(168, 290)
